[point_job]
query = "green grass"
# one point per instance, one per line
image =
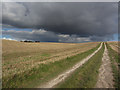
(85, 76)
(44, 72)
(45, 55)
(114, 57)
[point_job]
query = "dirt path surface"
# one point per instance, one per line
(105, 78)
(64, 75)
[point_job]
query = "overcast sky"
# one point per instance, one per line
(60, 22)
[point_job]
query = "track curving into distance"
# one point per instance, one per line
(64, 75)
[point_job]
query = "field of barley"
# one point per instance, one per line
(56, 65)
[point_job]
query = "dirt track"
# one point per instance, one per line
(64, 75)
(105, 79)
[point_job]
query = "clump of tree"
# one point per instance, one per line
(36, 41)
(29, 41)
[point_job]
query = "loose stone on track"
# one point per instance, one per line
(105, 78)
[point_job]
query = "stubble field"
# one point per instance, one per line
(24, 63)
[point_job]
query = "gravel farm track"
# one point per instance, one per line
(105, 79)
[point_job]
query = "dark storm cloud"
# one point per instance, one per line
(42, 35)
(81, 19)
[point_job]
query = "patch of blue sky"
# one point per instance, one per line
(17, 29)
(6, 36)
(115, 37)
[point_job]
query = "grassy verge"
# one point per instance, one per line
(115, 59)
(85, 76)
(43, 73)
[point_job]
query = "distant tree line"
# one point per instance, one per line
(29, 41)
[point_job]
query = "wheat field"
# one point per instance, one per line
(19, 57)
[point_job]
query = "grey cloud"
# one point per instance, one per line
(81, 19)
(99, 38)
(48, 36)
(73, 38)
(42, 35)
